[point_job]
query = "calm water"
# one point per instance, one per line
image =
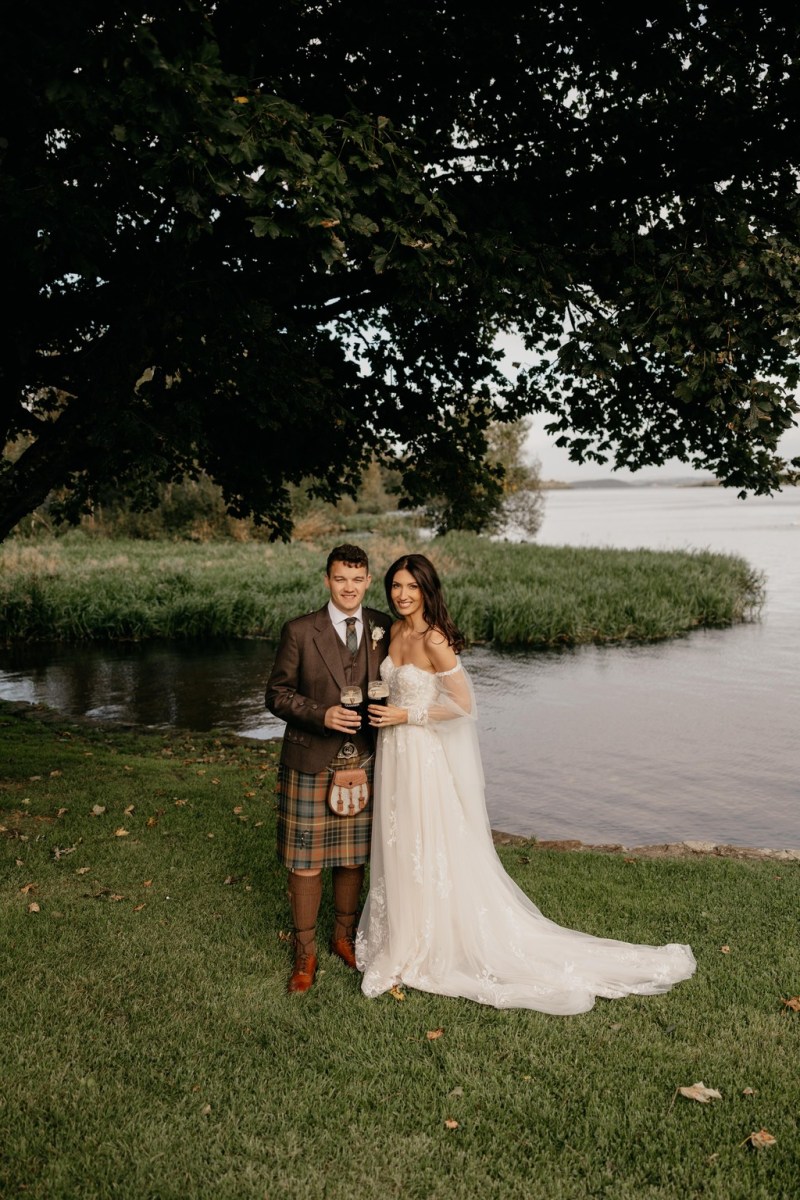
(696, 738)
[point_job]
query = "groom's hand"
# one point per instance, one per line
(343, 720)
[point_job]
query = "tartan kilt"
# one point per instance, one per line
(310, 836)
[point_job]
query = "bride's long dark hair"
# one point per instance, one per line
(434, 608)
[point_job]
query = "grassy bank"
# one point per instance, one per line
(149, 1048)
(76, 588)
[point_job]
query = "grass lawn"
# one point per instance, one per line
(149, 1048)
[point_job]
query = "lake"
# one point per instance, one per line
(694, 738)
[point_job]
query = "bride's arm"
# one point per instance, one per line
(455, 696)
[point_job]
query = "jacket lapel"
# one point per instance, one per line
(327, 643)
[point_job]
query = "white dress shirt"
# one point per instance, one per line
(339, 619)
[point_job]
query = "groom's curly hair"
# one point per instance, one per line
(434, 608)
(351, 556)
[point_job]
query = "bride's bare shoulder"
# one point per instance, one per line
(441, 654)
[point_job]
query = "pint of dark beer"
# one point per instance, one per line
(378, 692)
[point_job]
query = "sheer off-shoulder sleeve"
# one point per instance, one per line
(454, 700)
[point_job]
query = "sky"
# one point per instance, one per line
(555, 463)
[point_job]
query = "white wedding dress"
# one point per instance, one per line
(442, 915)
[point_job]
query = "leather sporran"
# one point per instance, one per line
(349, 791)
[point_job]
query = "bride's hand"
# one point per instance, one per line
(382, 715)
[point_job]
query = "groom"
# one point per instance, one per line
(319, 654)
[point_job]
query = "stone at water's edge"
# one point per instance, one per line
(664, 850)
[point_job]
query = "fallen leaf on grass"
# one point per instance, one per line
(82, 870)
(759, 1140)
(97, 810)
(450, 1123)
(233, 879)
(139, 907)
(147, 883)
(793, 1004)
(33, 907)
(748, 1091)
(28, 887)
(699, 1091)
(398, 995)
(258, 824)
(249, 795)
(104, 893)
(239, 808)
(282, 935)
(62, 811)
(209, 835)
(20, 862)
(130, 810)
(180, 803)
(725, 949)
(433, 1034)
(34, 778)
(456, 1092)
(205, 1110)
(55, 774)
(151, 822)
(59, 851)
(121, 832)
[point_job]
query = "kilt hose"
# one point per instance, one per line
(310, 836)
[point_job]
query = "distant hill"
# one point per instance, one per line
(606, 482)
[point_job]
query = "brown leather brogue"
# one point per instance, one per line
(303, 973)
(344, 948)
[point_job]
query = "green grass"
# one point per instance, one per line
(78, 588)
(154, 1053)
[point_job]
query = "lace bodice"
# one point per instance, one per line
(409, 686)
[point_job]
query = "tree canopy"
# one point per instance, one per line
(270, 242)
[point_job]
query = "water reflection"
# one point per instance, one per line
(188, 685)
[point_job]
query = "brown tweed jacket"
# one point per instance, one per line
(307, 678)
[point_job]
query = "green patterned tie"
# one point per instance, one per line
(352, 636)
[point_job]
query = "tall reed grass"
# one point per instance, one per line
(77, 588)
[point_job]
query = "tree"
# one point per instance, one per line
(270, 243)
(512, 502)
(521, 509)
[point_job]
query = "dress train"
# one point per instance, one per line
(442, 915)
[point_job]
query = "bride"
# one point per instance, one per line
(442, 915)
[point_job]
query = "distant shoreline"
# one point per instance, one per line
(605, 484)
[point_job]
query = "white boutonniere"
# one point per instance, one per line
(377, 632)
